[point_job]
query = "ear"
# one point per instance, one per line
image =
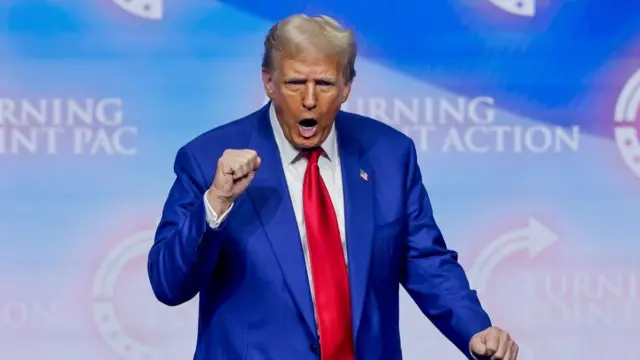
(267, 81)
(346, 91)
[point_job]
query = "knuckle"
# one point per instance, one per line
(227, 154)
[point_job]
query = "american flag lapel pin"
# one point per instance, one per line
(364, 175)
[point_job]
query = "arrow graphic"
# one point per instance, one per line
(534, 239)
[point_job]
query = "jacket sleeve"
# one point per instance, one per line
(185, 249)
(432, 276)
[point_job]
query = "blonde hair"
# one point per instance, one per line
(301, 35)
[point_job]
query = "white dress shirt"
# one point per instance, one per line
(294, 166)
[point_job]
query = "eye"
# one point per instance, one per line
(295, 82)
(324, 83)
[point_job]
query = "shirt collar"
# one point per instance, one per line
(288, 152)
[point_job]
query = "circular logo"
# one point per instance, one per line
(128, 316)
(517, 7)
(626, 121)
(146, 9)
(104, 308)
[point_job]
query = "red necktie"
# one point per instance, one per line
(328, 267)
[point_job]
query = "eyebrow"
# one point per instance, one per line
(303, 78)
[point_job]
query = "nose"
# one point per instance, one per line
(309, 101)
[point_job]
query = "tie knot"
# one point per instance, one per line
(312, 155)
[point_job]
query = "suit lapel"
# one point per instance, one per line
(359, 220)
(270, 197)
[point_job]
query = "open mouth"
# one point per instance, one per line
(308, 127)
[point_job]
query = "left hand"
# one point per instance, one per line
(495, 344)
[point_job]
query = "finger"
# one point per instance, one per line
(248, 154)
(508, 355)
(479, 349)
(478, 346)
(245, 180)
(225, 167)
(253, 160)
(246, 167)
(504, 344)
(244, 161)
(514, 351)
(250, 176)
(238, 170)
(491, 341)
(257, 163)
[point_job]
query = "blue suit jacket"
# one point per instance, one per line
(255, 302)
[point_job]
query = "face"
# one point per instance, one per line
(307, 95)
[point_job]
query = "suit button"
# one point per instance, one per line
(313, 348)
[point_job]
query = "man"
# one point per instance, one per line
(296, 224)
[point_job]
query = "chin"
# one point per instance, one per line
(307, 143)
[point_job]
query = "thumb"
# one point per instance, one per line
(244, 182)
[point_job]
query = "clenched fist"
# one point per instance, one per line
(236, 169)
(495, 344)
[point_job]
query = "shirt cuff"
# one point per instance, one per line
(213, 219)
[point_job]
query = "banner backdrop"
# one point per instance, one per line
(525, 113)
